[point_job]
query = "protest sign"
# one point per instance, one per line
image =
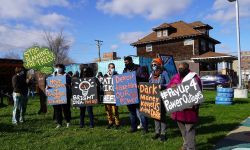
(168, 64)
(84, 92)
(125, 88)
(150, 104)
(56, 91)
(108, 90)
(39, 59)
(183, 96)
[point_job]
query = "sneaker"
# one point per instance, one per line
(58, 126)
(15, 123)
(109, 126)
(67, 125)
(163, 138)
(81, 125)
(139, 127)
(91, 126)
(156, 136)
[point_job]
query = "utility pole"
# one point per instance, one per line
(99, 44)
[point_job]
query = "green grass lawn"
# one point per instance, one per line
(38, 132)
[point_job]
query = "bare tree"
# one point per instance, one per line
(12, 55)
(59, 44)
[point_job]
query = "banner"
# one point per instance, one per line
(125, 87)
(150, 101)
(40, 59)
(108, 89)
(84, 92)
(168, 64)
(183, 96)
(56, 91)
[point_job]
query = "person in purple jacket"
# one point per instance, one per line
(188, 118)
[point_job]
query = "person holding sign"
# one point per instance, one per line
(187, 118)
(63, 108)
(130, 67)
(159, 76)
(112, 109)
(86, 72)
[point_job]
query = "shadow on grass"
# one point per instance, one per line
(9, 128)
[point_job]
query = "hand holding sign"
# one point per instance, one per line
(40, 59)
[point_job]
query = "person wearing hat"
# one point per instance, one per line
(159, 76)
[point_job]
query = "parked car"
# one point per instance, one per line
(214, 81)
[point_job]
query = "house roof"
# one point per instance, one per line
(199, 24)
(162, 26)
(179, 30)
(213, 57)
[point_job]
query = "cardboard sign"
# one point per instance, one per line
(84, 92)
(56, 91)
(39, 59)
(125, 87)
(185, 95)
(108, 89)
(168, 64)
(150, 104)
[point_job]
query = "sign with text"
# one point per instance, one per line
(56, 91)
(84, 92)
(150, 104)
(168, 64)
(108, 90)
(183, 96)
(40, 59)
(125, 88)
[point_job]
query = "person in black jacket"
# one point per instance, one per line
(20, 95)
(86, 72)
(130, 67)
(61, 109)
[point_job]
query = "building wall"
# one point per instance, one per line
(175, 48)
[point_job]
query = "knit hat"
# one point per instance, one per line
(158, 61)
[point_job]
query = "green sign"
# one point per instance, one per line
(39, 59)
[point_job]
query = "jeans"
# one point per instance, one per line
(133, 117)
(90, 113)
(19, 109)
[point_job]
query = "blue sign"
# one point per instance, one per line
(56, 91)
(125, 88)
(169, 65)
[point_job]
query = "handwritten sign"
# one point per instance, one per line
(168, 64)
(125, 87)
(57, 90)
(84, 92)
(39, 58)
(108, 89)
(150, 104)
(183, 96)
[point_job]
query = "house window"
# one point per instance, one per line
(203, 45)
(159, 33)
(211, 46)
(165, 32)
(149, 48)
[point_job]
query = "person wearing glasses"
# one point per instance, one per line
(159, 76)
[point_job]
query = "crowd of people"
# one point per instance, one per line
(186, 119)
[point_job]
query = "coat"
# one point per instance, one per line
(190, 115)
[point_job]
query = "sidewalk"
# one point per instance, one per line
(238, 139)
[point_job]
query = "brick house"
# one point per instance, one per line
(180, 39)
